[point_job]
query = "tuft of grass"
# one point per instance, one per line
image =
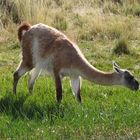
(121, 47)
(133, 10)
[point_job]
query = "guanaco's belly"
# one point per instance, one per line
(46, 63)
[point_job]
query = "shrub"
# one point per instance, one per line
(10, 10)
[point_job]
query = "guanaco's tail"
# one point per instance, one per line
(22, 29)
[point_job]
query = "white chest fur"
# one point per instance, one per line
(69, 72)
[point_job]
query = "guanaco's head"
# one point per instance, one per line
(127, 78)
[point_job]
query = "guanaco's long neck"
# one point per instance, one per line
(99, 77)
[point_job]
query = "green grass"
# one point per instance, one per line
(105, 112)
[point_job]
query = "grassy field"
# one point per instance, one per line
(99, 28)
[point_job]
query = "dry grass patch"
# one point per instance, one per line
(84, 20)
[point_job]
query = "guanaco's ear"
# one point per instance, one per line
(115, 64)
(116, 67)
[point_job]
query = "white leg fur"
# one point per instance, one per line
(22, 71)
(33, 75)
(75, 85)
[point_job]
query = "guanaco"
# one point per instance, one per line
(45, 48)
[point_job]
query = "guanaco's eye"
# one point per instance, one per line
(130, 77)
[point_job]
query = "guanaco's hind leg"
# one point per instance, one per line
(58, 86)
(76, 85)
(21, 70)
(33, 75)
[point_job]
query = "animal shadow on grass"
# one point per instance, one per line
(21, 107)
